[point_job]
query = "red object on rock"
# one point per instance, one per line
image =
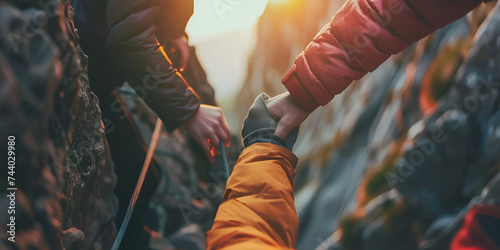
(481, 230)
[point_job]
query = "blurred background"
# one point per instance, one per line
(224, 34)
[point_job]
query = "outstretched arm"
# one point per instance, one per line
(258, 211)
(360, 37)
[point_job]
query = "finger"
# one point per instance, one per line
(206, 148)
(283, 129)
(214, 151)
(214, 142)
(223, 135)
(272, 106)
(205, 145)
(226, 131)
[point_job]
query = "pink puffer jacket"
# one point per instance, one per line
(360, 37)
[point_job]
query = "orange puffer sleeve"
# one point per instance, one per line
(258, 211)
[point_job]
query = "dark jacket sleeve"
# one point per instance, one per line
(360, 37)
(134, 53)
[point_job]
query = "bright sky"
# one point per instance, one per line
(213, 17)
(224, 33)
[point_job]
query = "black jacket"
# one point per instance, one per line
(128, 31)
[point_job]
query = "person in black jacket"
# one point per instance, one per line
(122, 40)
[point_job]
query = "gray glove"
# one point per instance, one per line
(259, 126)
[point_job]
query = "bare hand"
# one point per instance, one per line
(181, 44)
(288, 113)
(208, 127)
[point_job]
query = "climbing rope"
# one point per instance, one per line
(149, 156)
(150, 153)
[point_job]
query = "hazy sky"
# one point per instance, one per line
(224, 34)
(212, 17)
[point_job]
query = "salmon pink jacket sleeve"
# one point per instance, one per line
(360, 37)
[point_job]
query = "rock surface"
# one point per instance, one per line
(63, 173)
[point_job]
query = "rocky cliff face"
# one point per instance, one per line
(63, 171)
(397, 159)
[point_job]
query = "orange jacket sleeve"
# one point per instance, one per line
(258, 211)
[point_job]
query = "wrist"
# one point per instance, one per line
(192, 119)
(260, 125)
(267, 138)
(296, 90)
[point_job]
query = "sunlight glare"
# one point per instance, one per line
(214, 17)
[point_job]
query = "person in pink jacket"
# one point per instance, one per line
(360, 37)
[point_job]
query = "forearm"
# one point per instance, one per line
(135, 55)
(360, 37)
(258, 208)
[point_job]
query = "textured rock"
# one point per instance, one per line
(64, 173)
(89, 203)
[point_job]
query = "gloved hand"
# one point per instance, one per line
(259, 126)
(288, 112)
